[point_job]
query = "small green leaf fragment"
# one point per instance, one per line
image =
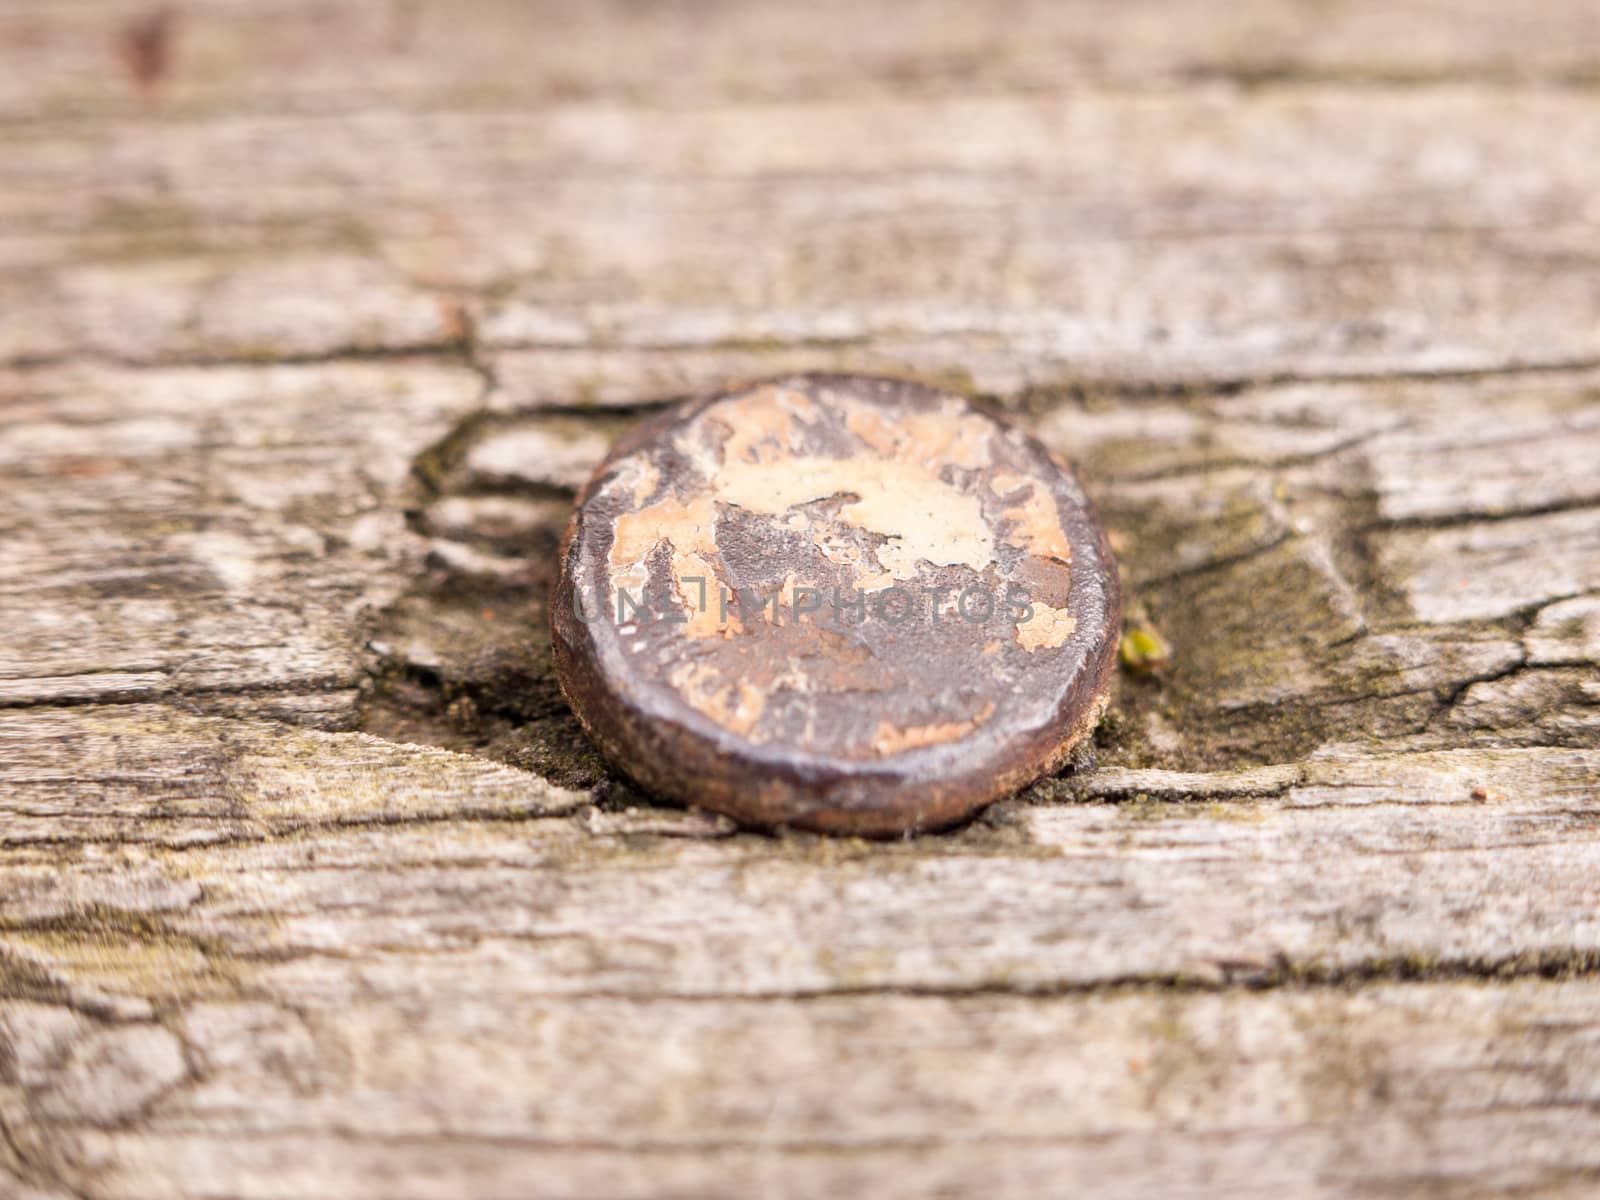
(1144, 651)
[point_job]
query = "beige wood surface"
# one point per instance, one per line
(311, 317)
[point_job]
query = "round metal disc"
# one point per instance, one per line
(839, 603)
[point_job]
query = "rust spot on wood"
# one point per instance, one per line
(145, 47)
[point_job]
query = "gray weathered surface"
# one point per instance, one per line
(310, 322)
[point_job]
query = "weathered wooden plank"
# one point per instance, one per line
(1482, 571)
(1235, 163)
(76, 60)
(147, 773)
(206, 531)
(1365, 222)
(1348, 860)
(1302, 1093)
(202, 582)
(315, 314)
(1566, 634)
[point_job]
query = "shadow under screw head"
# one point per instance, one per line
(839, 603)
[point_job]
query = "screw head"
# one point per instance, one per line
(839, 603)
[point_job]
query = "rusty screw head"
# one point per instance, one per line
(838, 603)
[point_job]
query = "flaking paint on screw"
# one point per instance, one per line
(837, 486)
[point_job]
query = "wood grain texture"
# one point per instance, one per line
(311, 318)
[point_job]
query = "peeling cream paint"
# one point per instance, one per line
(638, 476)
(922, 516)
(690, 527)
(1036, 521)
(890, 739)
(736, 707)
(1045, 628)
(931, 438)
(761, 424)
